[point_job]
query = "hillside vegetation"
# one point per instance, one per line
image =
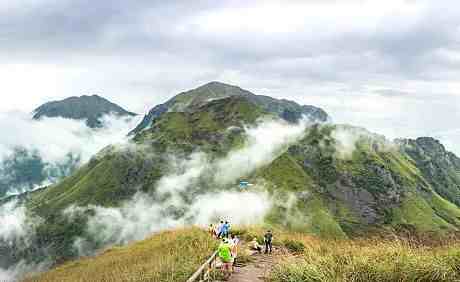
(174, 255)
(383, 260)
(168, 256)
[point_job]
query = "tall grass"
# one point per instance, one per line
(370, 260)
(166, 257)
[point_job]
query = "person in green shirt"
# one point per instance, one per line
(225, 254)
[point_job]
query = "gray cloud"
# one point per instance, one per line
(334, 54)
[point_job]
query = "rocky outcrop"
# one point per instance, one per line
(440, 167)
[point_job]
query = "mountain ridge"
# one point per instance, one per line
(189, 100)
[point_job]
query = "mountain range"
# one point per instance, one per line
(334, 181)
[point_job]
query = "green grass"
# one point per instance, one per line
(370, 260)
(285, 173)
(165, 257)
(416, 212)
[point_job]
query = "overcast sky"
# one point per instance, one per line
(390, 66)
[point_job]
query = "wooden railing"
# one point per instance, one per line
(205, 271)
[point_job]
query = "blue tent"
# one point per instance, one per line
(244, 184)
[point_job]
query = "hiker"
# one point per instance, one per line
(226, 229)
(220, 229)
(254, 245)
(217, 230)
(268, 238)
(212, 230)
(234, 241)
(225, 254)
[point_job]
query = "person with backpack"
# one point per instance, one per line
(226, 229)
(220, 228)
(225, 255)
(268, 239)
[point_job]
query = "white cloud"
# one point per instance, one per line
(54, 138)
(13, 221)
(17, 228)
(333, 54)
(146, 214)
(248, 207)
(265, 141)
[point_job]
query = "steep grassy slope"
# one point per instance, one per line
(214, 127)
(376, 185)
(168, 256)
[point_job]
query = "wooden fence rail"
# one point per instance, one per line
(204, 272)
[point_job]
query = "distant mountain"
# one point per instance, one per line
(24, 169)
(193, 99)
(89, 108)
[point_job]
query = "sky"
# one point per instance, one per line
(390, 66)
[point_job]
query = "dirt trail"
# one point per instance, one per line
(254, 271)
(259, 268)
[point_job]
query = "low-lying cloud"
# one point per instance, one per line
(17, 228)
(54, 138)
(13, 221)
(210, 189)
(347, 139)
(51, 147)
(264, 142)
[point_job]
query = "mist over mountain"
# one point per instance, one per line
(88, 108)
(183, 164)
(58, 138)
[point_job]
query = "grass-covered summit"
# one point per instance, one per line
(88, 108)
(189, 101)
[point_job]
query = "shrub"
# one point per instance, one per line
(294, 246)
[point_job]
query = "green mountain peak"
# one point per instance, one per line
(88, 108)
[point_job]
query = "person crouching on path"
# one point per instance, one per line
(268, 239)
(255, 245)
(225, 254)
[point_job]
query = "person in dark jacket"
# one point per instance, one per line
(268, 239)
